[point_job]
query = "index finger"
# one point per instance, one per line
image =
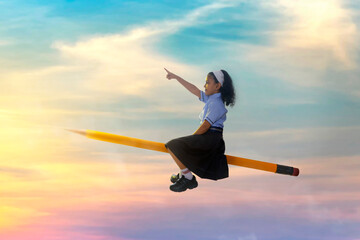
(166, 70)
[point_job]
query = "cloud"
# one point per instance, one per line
(315, 45)
(104, 69)
(324, 27)
(292, 143)
(17, 216)
(125, 63)
(18, 172)
(4, 43)
(248, 237)
(113, 198)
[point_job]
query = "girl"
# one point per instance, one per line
(203, 152)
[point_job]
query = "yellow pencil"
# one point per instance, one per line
(160, 147)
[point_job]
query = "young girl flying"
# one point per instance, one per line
(203, 152)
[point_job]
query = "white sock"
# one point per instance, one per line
(187, 173)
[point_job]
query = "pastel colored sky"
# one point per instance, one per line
(99, 65)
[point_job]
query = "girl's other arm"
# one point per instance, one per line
(204, 127)
(191, 87)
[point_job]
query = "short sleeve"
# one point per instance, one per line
(203, 97)
(215, 112)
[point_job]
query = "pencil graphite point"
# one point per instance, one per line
(82, 132)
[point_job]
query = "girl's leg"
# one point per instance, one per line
(181, 166)
(183, 169)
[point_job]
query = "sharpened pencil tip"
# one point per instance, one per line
(82, 132)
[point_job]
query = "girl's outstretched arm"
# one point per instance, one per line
(191, 87)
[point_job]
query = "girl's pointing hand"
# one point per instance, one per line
(170, 75)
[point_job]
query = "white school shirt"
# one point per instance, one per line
(214, 110)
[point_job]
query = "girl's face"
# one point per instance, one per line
(210, 86)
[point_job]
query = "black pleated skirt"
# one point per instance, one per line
(202, 154)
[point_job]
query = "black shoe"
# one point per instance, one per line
(174, 178)
(183, 183)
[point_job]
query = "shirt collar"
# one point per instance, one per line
(215, 95)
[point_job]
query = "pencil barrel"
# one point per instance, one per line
(156, 146)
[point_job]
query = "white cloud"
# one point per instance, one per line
(322, 29)
(114, 64)
(107, 68)
(321, 26)
(125, 64)
(314, 40)
(4, 43)
(292, 143)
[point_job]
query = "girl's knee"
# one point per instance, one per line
(170, 144)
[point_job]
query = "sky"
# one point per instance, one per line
(99, 65)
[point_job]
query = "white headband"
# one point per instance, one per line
(219, 76)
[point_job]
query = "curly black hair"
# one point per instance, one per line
(227, 89)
